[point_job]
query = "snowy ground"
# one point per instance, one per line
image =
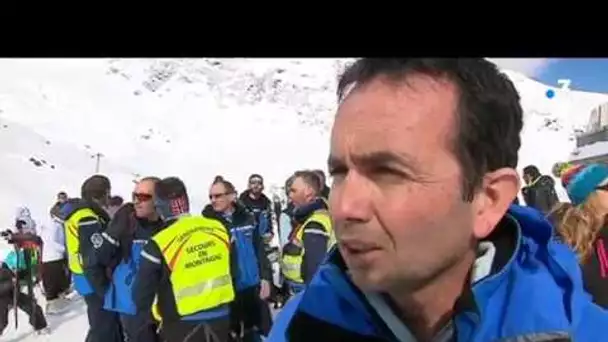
(194, 119)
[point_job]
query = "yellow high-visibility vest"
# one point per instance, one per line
(292, 263)
(197, 251)
(72, 233)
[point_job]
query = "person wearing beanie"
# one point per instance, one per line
(582, 225)
(84, 220)
(185, 274)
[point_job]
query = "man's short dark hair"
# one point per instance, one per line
(489, 116)
(532, 171)
(310, 178)
(116, 201)
(170, 188)
(230, 189)
(256, 176)
(96, 187)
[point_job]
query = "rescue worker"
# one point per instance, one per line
(254, 275)
(312, 236)
(84, 221)
(423, 156)
(129, 230)
(185, 273)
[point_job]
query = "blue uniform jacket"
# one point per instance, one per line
(93, 279)
(535, 295)
(122, 256)
(248, 247)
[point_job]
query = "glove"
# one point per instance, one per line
(123, 221)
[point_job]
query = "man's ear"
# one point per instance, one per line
(497, 192)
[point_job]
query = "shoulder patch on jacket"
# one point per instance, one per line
(96, 240)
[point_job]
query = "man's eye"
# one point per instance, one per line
(388, 172)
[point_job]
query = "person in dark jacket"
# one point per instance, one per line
(259, 204)
(539, 192)
(324, 188)
(13, 269)
(253, 280)
(130, 229)
(166, 268)
(84, 221)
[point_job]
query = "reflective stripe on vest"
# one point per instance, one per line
(197, 251)
(72, 238)
(292, 264)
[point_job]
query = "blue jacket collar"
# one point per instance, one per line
(538, 278)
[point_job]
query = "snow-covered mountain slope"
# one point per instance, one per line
(550, 125)
(196, 119)
(229, 117)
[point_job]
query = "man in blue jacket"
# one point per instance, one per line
(132, 226)
(250, 316)
(423, 158)
(84, 221)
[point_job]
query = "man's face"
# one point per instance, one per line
(62, 198)
(143, 199)
(220, 199)
(256, 185)
(299, 192)
(396, 192)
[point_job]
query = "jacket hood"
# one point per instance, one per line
(74, 204)
(539, 274)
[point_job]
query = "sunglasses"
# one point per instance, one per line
(602, 187)
(141, 197)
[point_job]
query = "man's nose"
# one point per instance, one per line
(350, 199)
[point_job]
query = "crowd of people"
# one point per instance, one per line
(149, 270)
(420, 238)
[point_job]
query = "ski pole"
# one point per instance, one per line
(16, 288)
